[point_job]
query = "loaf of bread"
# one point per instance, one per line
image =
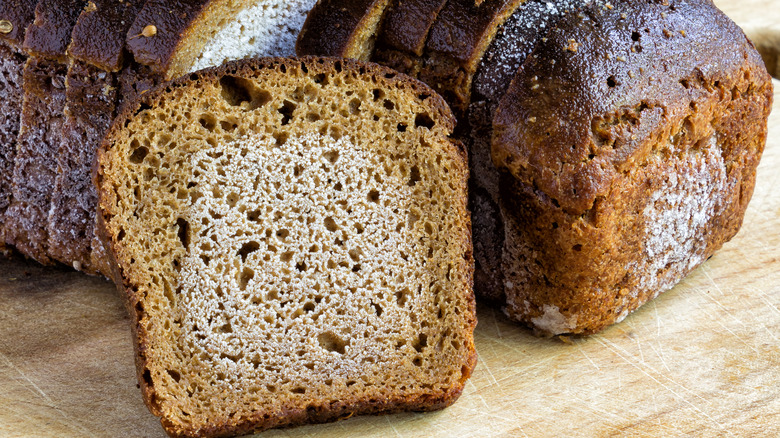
(99, 55)
(612, 146)
(294, 245)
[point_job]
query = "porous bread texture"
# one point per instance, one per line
(265, 28)
(293, 241)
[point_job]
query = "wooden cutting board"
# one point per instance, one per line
(702, 359)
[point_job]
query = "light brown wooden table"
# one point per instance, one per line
(702, 359)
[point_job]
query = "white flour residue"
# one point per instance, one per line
(676, 216)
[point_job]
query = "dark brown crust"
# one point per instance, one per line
(20, 13)
(464, 29)
(49, 34)
(333, 27)
(299, 415)
(577, 190)
(171, 19)
(99, 35)
(407, 24)
(456, 43)
(578, 169)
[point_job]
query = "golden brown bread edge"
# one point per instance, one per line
(133, 300)
(534, 190)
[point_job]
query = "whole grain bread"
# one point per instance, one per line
(567, 105)
(293, 242)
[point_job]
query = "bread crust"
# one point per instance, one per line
(407, 24)
(172, 21)
(100, 33)
(49, 34)
(329, 411)
(342, 29)
(20, 13)
(97, 52)
(578, 190)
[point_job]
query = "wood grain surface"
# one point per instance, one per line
(702, 359)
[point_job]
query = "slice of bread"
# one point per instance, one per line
(293, 242)
(15, 16)
(35, 164)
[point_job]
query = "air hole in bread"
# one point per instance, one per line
(373, 196)
(414, 176)
(331, 156)
(139, 154)
(184, 232)
(401, 127)
(420, 343)
(174, 375)
(423, 120)
(281, 138)
(321, 79)
(286, 111)
(402, 296)
(354, 106)
(208, 122)
(329, 341)
(389, 105)
(612, 82)
(635, 36)
(246, 249)
(330, 224)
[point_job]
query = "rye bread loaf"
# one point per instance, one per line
(15, 16)
(652, 171)
(572, 159)
(35, 164)
(293, 242)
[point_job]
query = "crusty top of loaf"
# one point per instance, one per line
(171, 19)
(49, 34)
(589, 100)
(99, 35)
(19, 13)
(464, 29)
(338, 28)
(408, 22)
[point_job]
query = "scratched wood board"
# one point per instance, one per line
(702, 359)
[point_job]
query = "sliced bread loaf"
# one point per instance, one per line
(293, 242)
